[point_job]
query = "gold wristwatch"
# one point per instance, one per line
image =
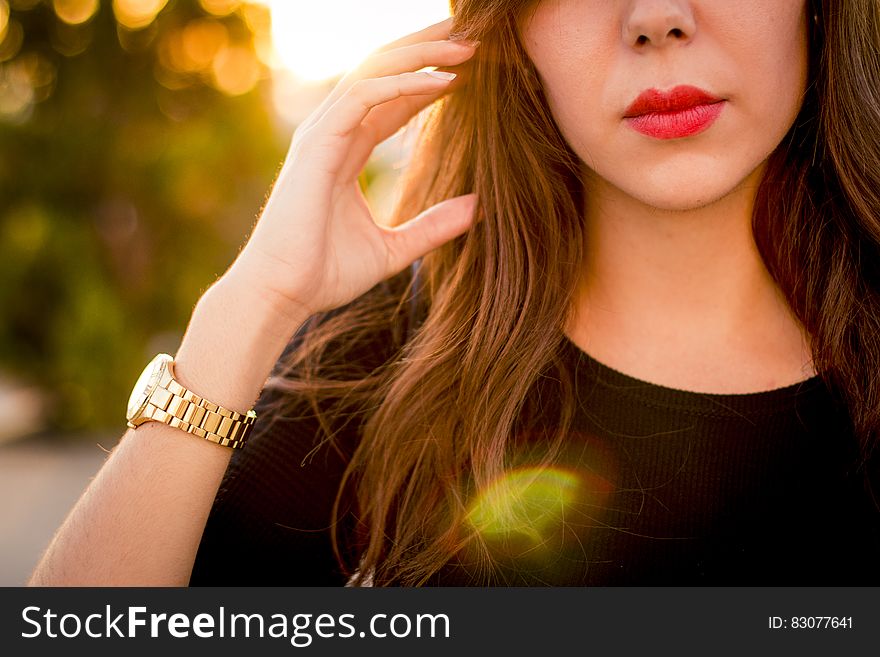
(158, 397)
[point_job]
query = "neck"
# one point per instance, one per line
(682, 298)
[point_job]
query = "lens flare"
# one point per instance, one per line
(526, 503)
(538, 522)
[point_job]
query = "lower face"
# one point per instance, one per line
(595, 57)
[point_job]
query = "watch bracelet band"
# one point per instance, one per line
(178, 407)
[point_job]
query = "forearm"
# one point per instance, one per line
(141, 519)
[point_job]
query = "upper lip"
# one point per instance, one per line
(676, 99)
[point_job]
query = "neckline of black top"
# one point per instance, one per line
(591, 372)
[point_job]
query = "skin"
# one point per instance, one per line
(673, 289)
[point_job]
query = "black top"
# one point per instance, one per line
(656, 486)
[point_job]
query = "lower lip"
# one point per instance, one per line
(675, 125)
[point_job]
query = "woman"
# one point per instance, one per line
(637, 344)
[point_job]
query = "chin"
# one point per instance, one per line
(682, 189)
(667, 200)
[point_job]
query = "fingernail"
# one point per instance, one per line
(443, 75)
(467, 43)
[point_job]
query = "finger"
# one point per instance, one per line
(331, 136)
(348, 112)
(430, 229)
(446, 54)
(381, 123)
(411, 58)
(385, 120)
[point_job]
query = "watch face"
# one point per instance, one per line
(145, 385)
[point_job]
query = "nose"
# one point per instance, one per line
(658, 23)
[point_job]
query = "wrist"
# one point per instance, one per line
(277, 317)
(233, 341)
(249, 275)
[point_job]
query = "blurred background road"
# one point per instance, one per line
(40, 480)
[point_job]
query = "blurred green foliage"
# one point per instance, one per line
(127, 185)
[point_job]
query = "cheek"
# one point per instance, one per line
(580, 97)
(772, 63)
(584, 110)
(574, 58)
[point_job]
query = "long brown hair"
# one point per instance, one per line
(437, 416)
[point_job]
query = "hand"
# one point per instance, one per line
(316, 245)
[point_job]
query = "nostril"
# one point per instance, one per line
(675, 33)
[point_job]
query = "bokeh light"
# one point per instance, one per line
(220, 7)
(235, 70)
(75, 12)
(193, 48)
(71, 40)
(202, 40)
(4, 17)
(26, 80)
(137, 14)
(11, 40)
(204, 47)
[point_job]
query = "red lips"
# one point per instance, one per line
(680, 112)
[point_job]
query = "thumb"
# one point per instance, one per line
(430, 229)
